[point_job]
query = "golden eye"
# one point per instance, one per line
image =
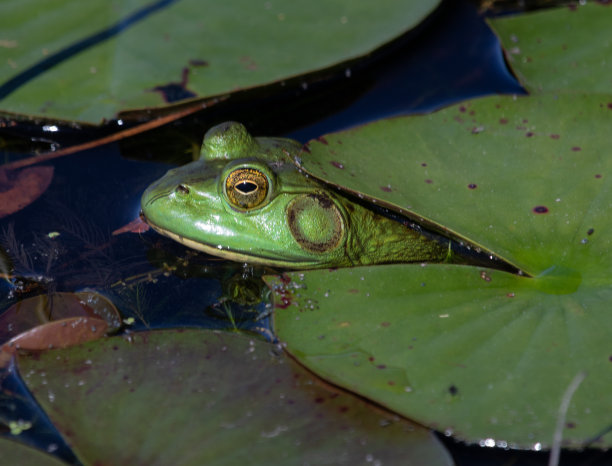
(246, 188)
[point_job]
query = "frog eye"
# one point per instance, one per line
(246, 188)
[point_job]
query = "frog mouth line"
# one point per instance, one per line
(227, 253)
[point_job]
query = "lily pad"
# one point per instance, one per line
(93, 62)
(37, 310)
(210, 397)
(19, 189)
(561, 49)
(483, 354)
(13, 452)
(521, 177)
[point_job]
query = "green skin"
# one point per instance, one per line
(295, 223)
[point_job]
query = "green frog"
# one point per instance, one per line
(246, 200)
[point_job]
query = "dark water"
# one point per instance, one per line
(453, 57)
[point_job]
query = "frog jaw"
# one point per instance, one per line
(225, 252)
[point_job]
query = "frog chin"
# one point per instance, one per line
(233, 255)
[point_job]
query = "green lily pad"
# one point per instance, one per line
(485, 355)
(561, 50)
(525, 178)
(16, 453)
(95, 61)
(198, 397)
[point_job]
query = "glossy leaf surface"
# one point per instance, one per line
(202, 397)
(483, 354)
(560, 50)
(94, 61)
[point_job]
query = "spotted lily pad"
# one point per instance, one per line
(486, 355)
(561, 50)
(95, 61)
(203, 397)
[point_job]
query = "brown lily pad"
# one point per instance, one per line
(18, 189)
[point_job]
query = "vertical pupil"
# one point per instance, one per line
(246, 187)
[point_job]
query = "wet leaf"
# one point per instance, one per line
(38, 310)
(532, 185)
(96, 61)
(18, 189)
(483, 354)
(16, 453)
(58, 334)
(561, 49)
(135, 226)
(476, 353)
(210, 397)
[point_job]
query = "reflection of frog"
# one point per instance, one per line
(245, 200)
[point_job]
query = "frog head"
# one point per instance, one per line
(245, 200)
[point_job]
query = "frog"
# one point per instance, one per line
(245, 199)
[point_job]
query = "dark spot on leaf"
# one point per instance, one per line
(371, 359)
(472, 186)
(391, 382)
(343, 409)
(570, 425)
(381, 366)
(510, 295)
(503, 121)
(319, 399)
(353, 291)
(385, 324)
(423, 164)
(462, 108)
(429, 181)
(337, 164)
(453, 390)
(598, 175)
(472, 112)
(198, 62)
(529, 134)
(174, 92)
(590, 231)
(576, 149)
(554, 136)
(610, 105)
(306, 148)
(323, 140)
(540, 209)
(386, 189)
(248, 63)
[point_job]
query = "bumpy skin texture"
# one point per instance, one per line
(245, 200)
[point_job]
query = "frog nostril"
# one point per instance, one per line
(181, 188)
